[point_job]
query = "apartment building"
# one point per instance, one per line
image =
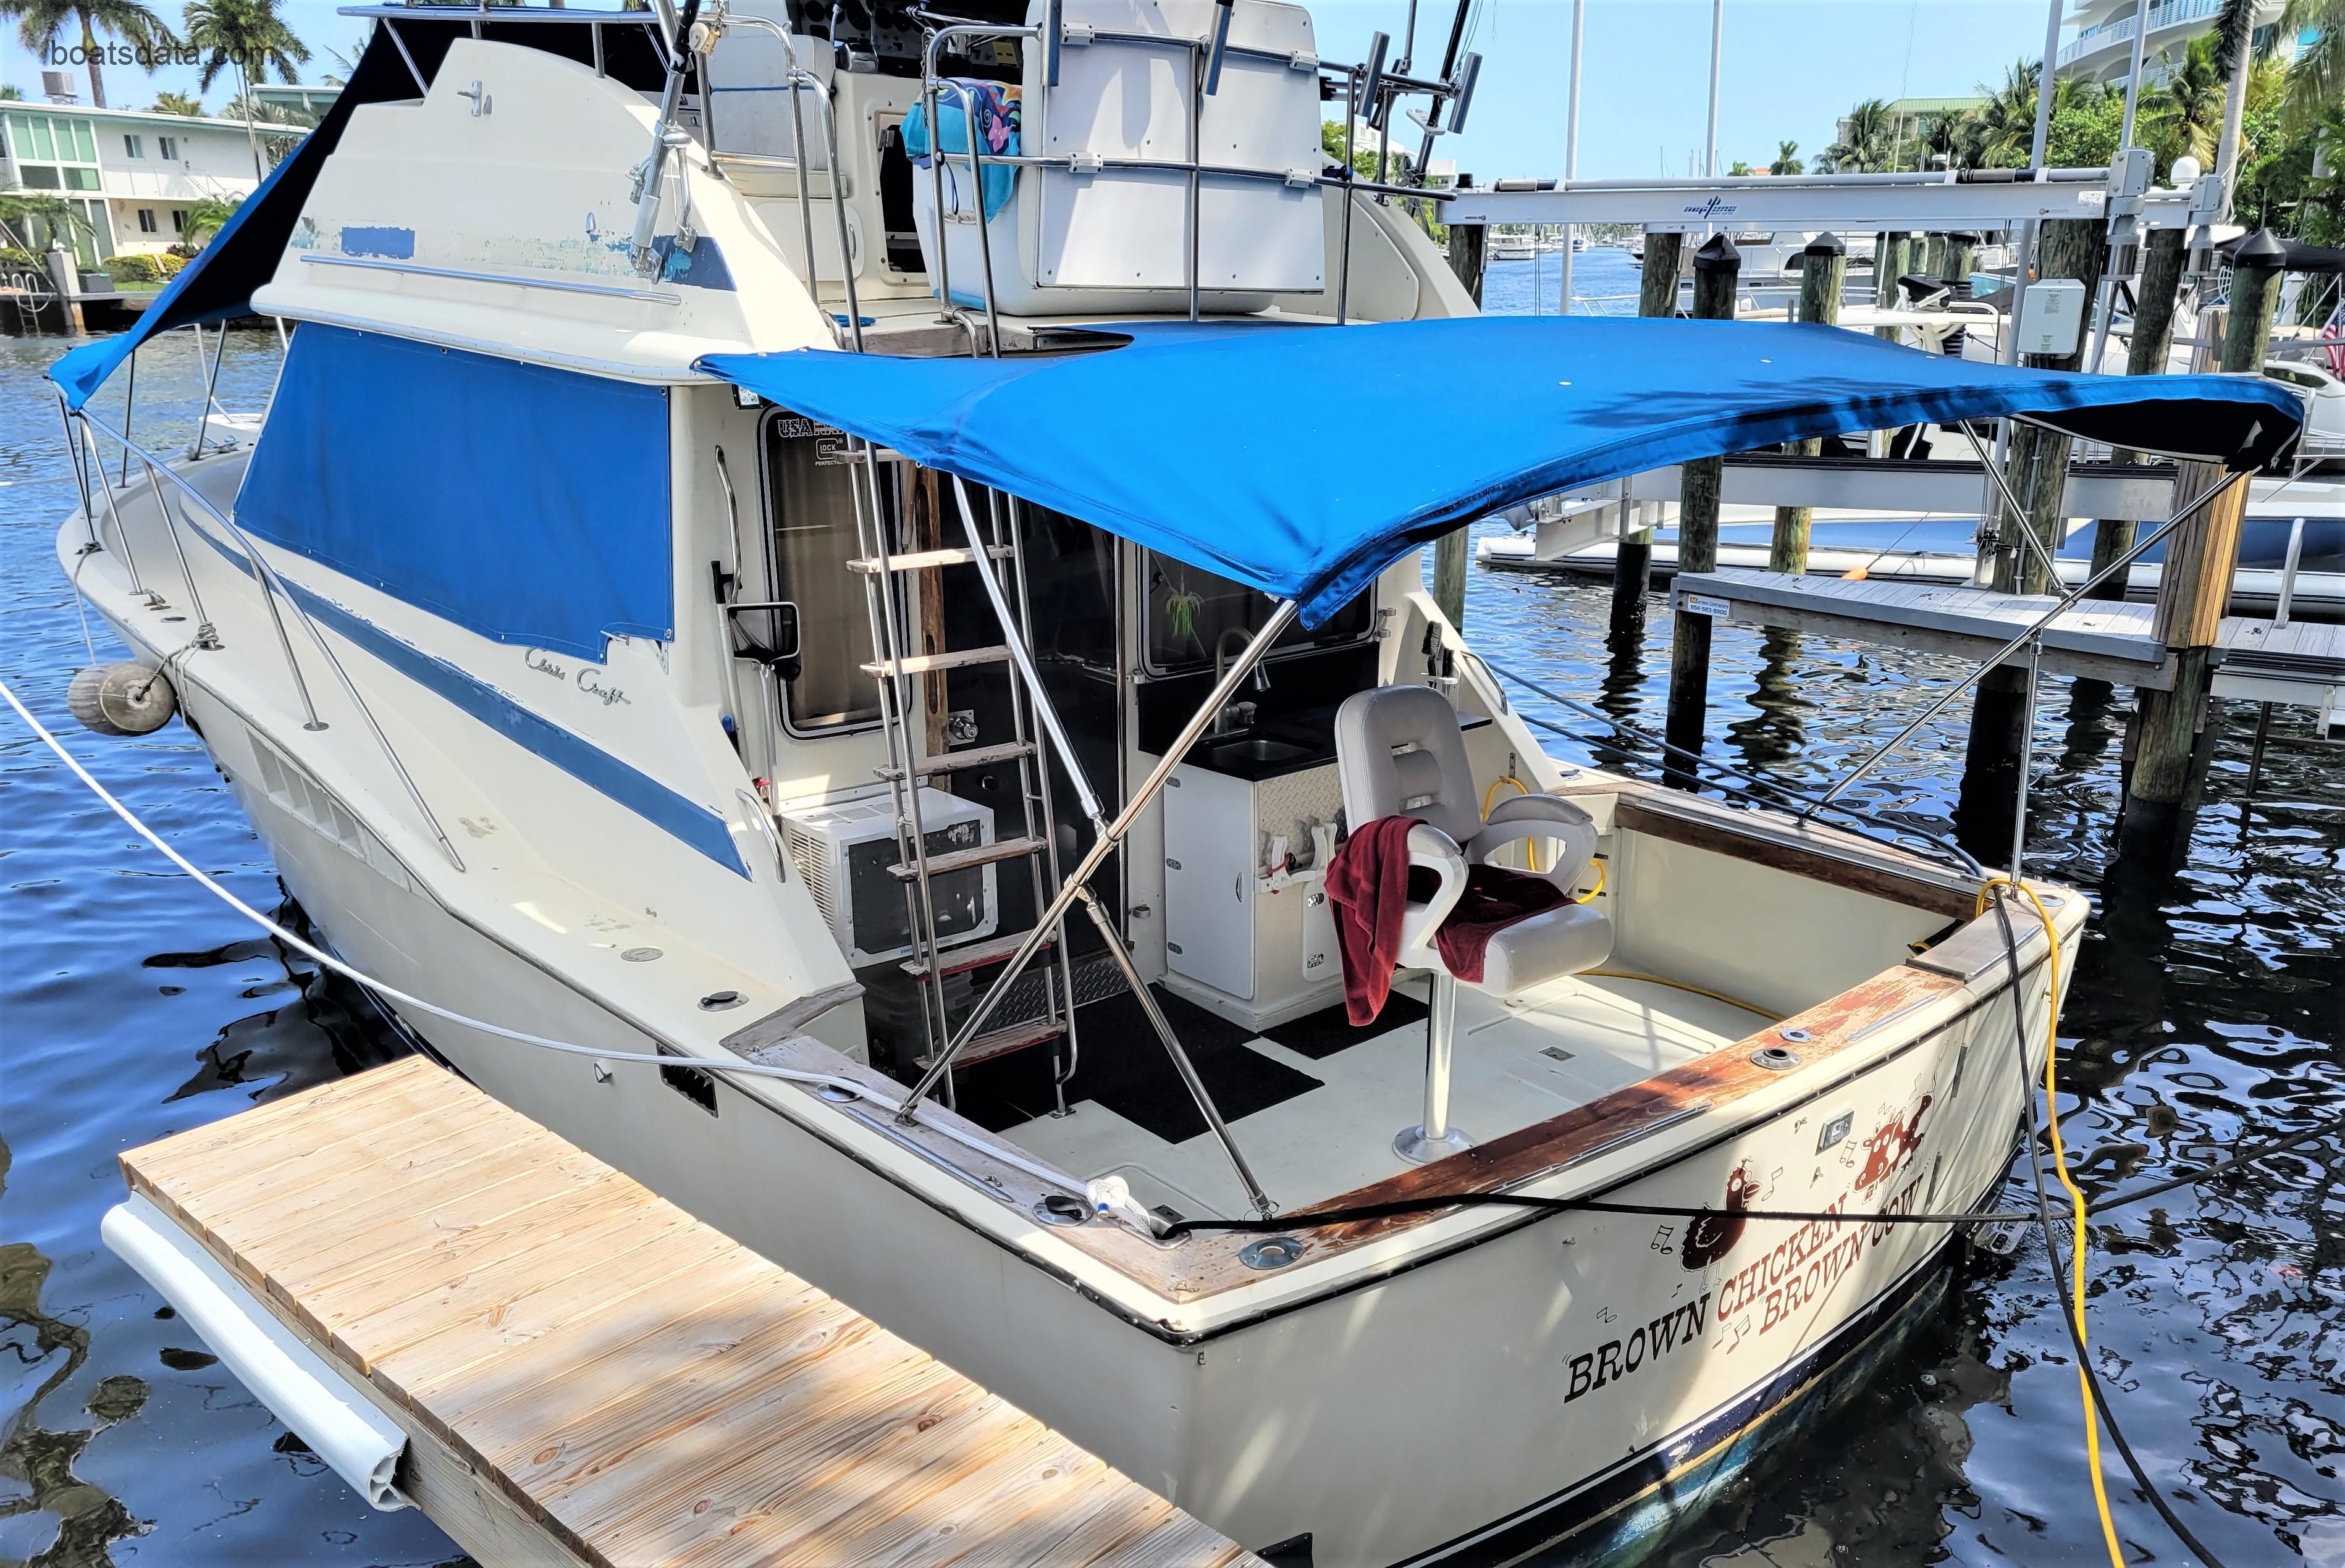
(2101, 46)
(131, 173)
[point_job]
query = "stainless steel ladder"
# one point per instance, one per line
(889, 569)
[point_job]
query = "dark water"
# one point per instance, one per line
(2204, 1013)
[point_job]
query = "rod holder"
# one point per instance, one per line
(1373, 86)
(1468, 74)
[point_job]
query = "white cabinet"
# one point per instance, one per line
(1209, 880)
(1256, 946)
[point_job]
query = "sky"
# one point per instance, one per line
(1790, 69)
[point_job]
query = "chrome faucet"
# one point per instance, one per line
(1236, 715)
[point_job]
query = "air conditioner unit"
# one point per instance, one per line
(845, 848)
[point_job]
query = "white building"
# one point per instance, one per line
(2101, 48)
(133, 173)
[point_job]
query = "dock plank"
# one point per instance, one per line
(588, 1375)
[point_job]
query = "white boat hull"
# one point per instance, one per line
(1542, 1380)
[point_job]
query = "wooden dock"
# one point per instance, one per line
(2302, 662)
(586, 1374)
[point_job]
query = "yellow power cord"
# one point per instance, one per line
(1530, 846)
(2075, 1199)
(1684, 985)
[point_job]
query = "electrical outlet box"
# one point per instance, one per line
(2051, 317)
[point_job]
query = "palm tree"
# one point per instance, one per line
(1787, 159)
(29, 215)
(207, 217)
(250, 36)
(2183, 114)
(40, 22)
(2316, 83)
(291, 123)
(175, 104)
(2001, 130)
(1866, 140)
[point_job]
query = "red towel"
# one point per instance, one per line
(1494, 899)
(1368, 883)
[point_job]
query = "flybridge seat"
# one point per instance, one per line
(1096, 234)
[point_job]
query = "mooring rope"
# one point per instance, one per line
(325, 959)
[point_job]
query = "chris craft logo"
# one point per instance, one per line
(1714, 207)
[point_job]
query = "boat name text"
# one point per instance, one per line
(1615, 1358)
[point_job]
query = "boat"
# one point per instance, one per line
(1513, 248)
(836, 681)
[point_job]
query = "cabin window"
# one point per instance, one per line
(1192, 613)
(810, 482)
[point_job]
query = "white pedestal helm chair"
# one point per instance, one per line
(1399, 753)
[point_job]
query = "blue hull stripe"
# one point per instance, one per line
(598, 769)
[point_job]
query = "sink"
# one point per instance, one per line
(1256, 749)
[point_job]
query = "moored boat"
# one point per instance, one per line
(879, 661)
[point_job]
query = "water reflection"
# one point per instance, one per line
(2205, 1013)
(73, 1519)
(1776, 729)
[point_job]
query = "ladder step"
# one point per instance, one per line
(1001, 1042)
(956, 762)
(962, 859)
(923, 559)
(921, 663)
(976, 955)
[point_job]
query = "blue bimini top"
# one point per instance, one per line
(1303, 460)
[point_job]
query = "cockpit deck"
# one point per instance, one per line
(1314, 1103)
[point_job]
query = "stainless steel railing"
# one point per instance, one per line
(273, 590)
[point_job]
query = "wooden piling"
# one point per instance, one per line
(1960, 249)
(1717, 268)
(2037, 469)
(1469, 244)
(1632, 558)
(2169, 759)
(1892, 253)
(1467, 247)
(1823, 273)
(2162, 260)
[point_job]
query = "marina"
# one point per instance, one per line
(910, 783)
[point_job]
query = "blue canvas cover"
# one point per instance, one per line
(525, 504)
(217, 285)
(1303, 460)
